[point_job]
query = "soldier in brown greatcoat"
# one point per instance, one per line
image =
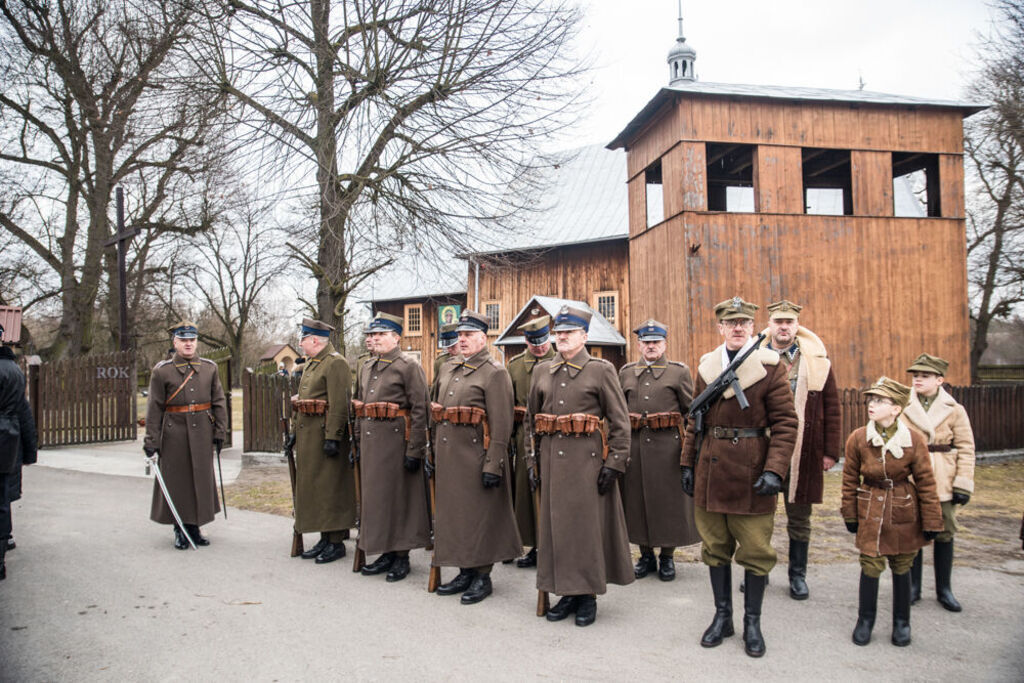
(324, 482)
(392, 415)
(186, 420)
(658, 392)
(736, 474)
(448, 343)
(474, 525)
(816, 399)
(891, 515)
(583, 544)
(536, 334)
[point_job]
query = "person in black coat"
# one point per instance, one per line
(17, 443)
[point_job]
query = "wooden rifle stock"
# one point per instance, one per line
(434, 578)
(543, 599)
(359, 556)
(297, 547)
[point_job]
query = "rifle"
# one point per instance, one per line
(713, 391)
(434, 578)
(289, 453)
(543, 599)
(359, 556)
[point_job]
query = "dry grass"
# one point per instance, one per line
(988, 536)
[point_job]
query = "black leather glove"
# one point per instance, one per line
(931, 535)
(686, 479)
(150, 452)
(768, 484)
(961, 498)
(428, 467)
(606, 479)
(331, 449)
(491, 481)
(218, 444)
(851, 526)
(411, 464)
(533, 476)
(289, 443)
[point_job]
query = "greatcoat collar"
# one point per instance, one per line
(657, 367)
(531, 360)
(386, 359)
(575, 365)
(481, 357)
(184, 365)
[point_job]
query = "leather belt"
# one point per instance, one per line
(940, 447)
(191, 408)
(573, 424)
(882, 483)
(382, 410)
(520, 415)
(462, 415)
(309, 406)
(666, 420)
(738, 432)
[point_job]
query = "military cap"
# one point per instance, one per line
(537, 330)
(928, 363)
(315, 327)
(384, 322)
(471, 321)
(651, 330)
(735, 307)
(569, 318)
(891, 389)
(447, 336)
(184, 329)
(784, 309)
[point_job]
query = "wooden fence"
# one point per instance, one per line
(996, 413)
(265, 401)
(84, 400)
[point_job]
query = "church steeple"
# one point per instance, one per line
(681, 57)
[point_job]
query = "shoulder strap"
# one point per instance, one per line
(191, 371)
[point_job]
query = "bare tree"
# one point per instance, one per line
(994, 143)
(413, 121)
(97, 93)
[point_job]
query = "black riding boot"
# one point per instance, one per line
(197, 537)
(867, 609)
(180, 540)
(753, 641)
(721, 626)
(915, 578)
(646, 564)
(798, 570)
(3, 562)
(901, 609)
(943, 574)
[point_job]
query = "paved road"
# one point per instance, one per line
(97, 592)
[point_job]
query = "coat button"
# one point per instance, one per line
(561, 402)
(451, 393)
(563, 384)
(561, 452)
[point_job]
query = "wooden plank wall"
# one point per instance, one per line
(871, 306)
(871, 177)
(777, 179)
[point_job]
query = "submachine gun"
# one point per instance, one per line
(702, 404)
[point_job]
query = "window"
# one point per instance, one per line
(826, 178)
(607, 304)
(492, 311)
(915, 184)
(655, 194)
(414, 320)
(730, 177)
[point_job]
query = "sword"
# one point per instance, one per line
(223, 500)
(167, 496)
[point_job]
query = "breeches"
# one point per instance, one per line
(748, 536)
(874, 566)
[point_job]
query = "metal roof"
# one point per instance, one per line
(780, 92)
(585, 200)
(601, 333)
(412, 277)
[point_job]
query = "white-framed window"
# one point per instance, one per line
(414, 320)
(492, 311)
(607, 304)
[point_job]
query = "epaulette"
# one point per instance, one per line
(679, 363)
(207, 360)
(630, 365)
(496, 364)
(519, 355)
(162, 363)
(335, 354)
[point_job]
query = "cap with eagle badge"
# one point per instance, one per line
(471, 321)
(384, 322)
(734, 308)
(569, 318)
(184, 329)
(651, 330)
(536, 331)
(784, 310)
(447, 337)
(316, 328)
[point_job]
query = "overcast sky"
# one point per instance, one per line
(907, 47)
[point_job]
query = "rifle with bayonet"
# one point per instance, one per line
(359, 556)
(434, 578)
(713, 391)
(543, 599)
(289, 452)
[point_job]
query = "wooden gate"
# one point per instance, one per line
(90, 399)
(265, 401)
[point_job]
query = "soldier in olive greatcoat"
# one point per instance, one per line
(578, 420)
(736, 473)
(945, 425)
(891, 514)
(392, 416)
(658, 393)
(324, 482)
(186, 420)
(474, 525)
(536, 333)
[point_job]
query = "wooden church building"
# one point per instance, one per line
(765, 192)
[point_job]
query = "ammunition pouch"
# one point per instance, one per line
(309, 406)
(519, 415)
(573, 424)
(383, 410)
(463, 415)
